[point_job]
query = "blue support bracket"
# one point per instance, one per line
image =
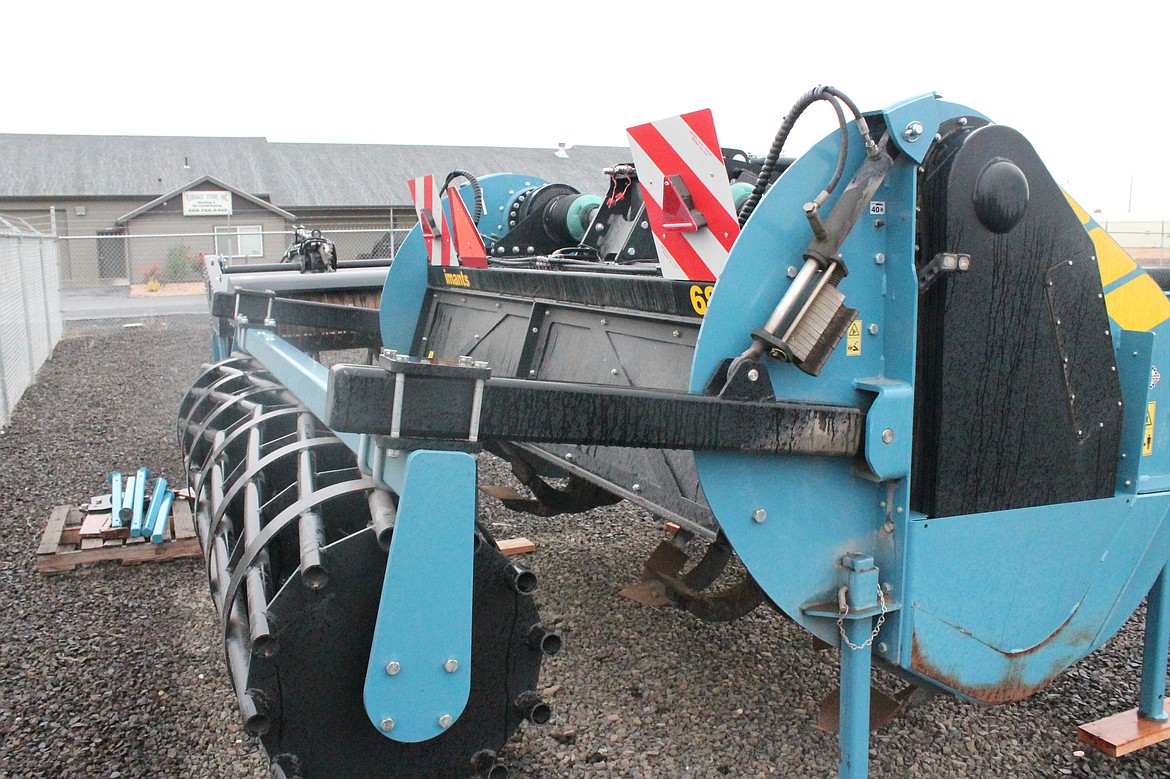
(889, 426)
(419, 676)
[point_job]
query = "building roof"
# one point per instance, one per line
(290, 175)
(162, 199)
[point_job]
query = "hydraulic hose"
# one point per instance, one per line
(477, 212)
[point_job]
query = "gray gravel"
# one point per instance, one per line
(117, 672)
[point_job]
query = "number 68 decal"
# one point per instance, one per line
(699, 298)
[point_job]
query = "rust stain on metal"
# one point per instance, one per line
(1011, 686)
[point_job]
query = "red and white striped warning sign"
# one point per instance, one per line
(688, 197)
(425, 194)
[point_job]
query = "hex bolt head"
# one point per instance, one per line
(873, 329)
(753, 375)
(636, 488)
(759, 516)
(888, 436)
(386, 724)
(451, 666)
(883, 647)
(913, 131)
(445, 721)
(393, 667)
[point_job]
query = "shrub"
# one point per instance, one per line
(152, 277)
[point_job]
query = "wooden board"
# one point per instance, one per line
(62, 548)
(1125, 732)
(516, 546)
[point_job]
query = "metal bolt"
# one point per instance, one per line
(645, 224)
(913, 131)
(445, 721)
(759, 516)
(888, 526)
(887, 588)
(753, 375)
(613, 371)
(792, 271)
(676, 333)
(1129, 482)
(883, 647)
(636, 488)
(389, 354)
(888, 436)
(451, 666)
(873, 329)
(630, 251)
(569, 456)
(962, 121)
(879, 258)
(938, 136)
(899, 509)
(604, 322)
(393, 667)
(386, 725)
(536, 330)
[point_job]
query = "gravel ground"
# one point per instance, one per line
(117, 672)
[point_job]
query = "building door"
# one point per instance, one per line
(111, 251)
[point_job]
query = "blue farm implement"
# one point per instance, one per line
(902, 376)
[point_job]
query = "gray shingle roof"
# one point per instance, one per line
(291, 175)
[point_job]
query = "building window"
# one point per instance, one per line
(239, 241)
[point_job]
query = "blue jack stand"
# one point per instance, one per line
(1149, 723)
(859, 598)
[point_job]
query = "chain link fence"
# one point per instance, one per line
(173, 258)
(30, 307)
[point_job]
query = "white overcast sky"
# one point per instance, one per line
(1086, 83)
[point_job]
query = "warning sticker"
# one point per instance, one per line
(1155, 377)
(877, 207)
(853, 339)
(1148, 441)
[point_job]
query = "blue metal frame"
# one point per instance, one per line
(424, 618)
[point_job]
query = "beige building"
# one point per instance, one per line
(122, 204)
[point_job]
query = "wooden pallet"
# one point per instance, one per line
(64, 547)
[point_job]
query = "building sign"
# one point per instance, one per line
(203, 202)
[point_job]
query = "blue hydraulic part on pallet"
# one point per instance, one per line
(158, 532)
(115, 482)
(158, 490)
(127, 511)
(138, 505)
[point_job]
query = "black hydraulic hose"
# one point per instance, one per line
(479, 205)
(819, 92)
(842, 151)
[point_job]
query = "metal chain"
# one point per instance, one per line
(876, 628)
